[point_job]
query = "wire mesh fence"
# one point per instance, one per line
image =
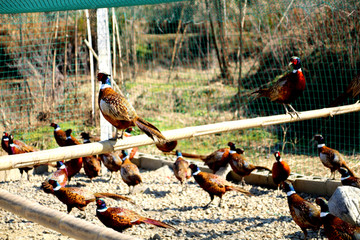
(186, 64)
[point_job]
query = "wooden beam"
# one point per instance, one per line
(58, 221)
(64, 153)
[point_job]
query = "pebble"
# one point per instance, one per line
(263, 216)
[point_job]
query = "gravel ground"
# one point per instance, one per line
(263, 216)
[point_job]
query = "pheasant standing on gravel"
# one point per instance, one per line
(181, 168)
(19, 147)
(280, 170)
(331, 158)
(117, 110)
(120, 219)
(130, 173)
(78, 197)
(287, 89)
(304, 214)
(60, 135)
(91, 164)
(240, 165)
(215, 160)
(74, 165)
(213, 184)
(334, 227)
(347, 179)
(60, 175)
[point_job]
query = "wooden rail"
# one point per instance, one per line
(58, 221)
(65, 153)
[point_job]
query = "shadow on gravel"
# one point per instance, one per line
(157, 194)
(311, 235)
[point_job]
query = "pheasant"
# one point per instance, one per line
(334, 227)
(331, 158)
(112, 162)
(181, 168)
(280, 170)
(60, 135)
(130, 173)
(347, 179)
(352, 90)
(91, 164)
(117, 110)
(60, 175)
(5, 142)
(304, 214)
(215, 160)
(132, 151)
(74, 165)
(19, 147)
(78, 197)
(287, 89)
(240, 165)
(213, 184)
(120, 219)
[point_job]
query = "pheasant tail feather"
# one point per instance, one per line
(149, 129)
(113, 196)
(239, 189)
(157, 223)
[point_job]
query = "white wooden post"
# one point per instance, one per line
(104, 63)
(91, 56)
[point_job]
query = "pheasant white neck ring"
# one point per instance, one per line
(321, 145)
(101, 209)
(197, 172)
(105, 85)
(296, 70)
(344, 178)
(290, 193)
(57, 188)
(57, 129)
(232, 151)
(323, 214)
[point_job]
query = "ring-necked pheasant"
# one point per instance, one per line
(74, 165)
(347, 179)
(330, 158)
(120, 219)
(304, 214)
(181, 168)
(280, 170)
(352, 90)
(130, 173)
(91, 164)
(287, 89)
(60, 135)
(79, 197)
(19, 147)
(117, 110)
(240, 165)
(60, 175)
(215, 160)
(5, 142)
(213, 184)
(334, 227)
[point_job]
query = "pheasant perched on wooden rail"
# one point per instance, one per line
(60, 175)
(304, 214)
(213, 184)
(240, 165)
(60, 135)
(117, 110)
(287, 89)
(280, 170)
(330, 158)
(181, 168)
(91, 164)
(130, 173)
(78, 197)
(334, 227)
(352, 90)
(74, 165)
(17, 147)
(120, 219)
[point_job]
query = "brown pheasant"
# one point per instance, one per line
(117, 110)
(352, 90)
